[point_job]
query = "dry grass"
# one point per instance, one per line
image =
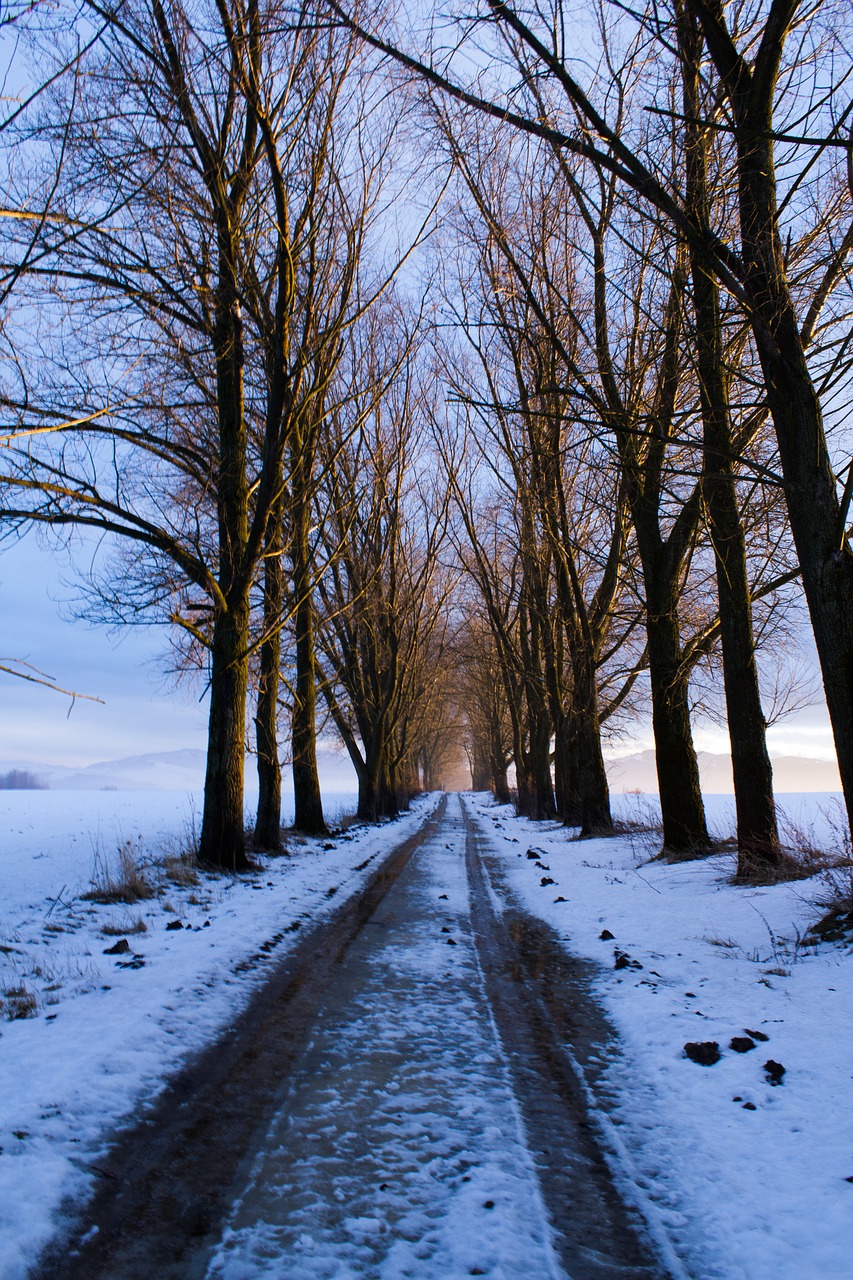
(18, 1002)
(121, 879)
(835, 901)
(117, 929)
(830, 860)
(181, 869)
(794, 864)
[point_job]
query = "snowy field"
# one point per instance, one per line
(751, 1180)
(87, 1037)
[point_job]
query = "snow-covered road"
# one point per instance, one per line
(398, 1149)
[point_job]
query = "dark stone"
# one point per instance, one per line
(749, 1106)
(756, 1035)
(560, 899)
(174, 924)
(450, 942)
(774, 1070)
(488, 1204)
(532, 855)
(606, 935)
(741, 1044)
(546, 880)
(442, 897)
(705, 1052)
(121, 948)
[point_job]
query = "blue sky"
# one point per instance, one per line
(141, 713)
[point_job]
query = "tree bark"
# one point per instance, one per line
(685, 832)
(222, 841)
(268, 822)
(307, 800)
(591, 776)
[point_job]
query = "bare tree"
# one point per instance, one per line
(766, 62)
(183, 313)
(384, 596)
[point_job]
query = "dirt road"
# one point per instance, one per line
(402, 1099)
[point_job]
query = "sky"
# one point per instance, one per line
(143, 713)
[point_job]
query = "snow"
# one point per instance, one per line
(749, 1179)
(106, 1033)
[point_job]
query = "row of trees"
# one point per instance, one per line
(593, 460)
(201, 346)
(656, 297)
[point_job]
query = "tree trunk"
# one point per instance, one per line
(759, 851)
(539, 769)
(591, 777)
(480, 771)
(817, 522)
(566, 768)
(500, 781)
(377, 797)
(268, 823)
(307, 801)
(565, 796)
(826, 561)
(685, 833)
(222, 840)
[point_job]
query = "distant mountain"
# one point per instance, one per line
(181, 770)
(790, 773)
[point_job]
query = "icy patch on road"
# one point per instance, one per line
(398, 1151)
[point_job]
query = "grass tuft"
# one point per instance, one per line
(18, 1002)
(120, 880)
(119, 929)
